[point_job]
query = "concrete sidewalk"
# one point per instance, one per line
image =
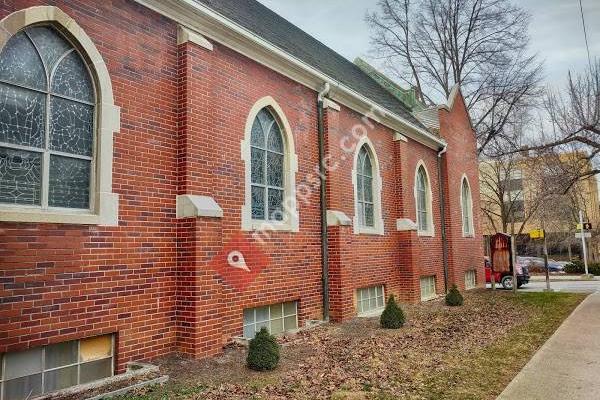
(567, 366)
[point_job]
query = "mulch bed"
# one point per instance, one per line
(356, 359)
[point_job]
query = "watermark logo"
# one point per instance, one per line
(240, 262)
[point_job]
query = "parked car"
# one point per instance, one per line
(536, 264)
(557, 266)
(506, 278)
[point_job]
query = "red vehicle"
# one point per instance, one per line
(506, 278)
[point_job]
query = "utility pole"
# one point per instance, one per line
(513, 247)
(583, 245)
(546, 263)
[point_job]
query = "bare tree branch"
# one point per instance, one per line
(479, 44)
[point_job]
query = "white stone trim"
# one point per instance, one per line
(190, 206)
(291, 217)
(398, 137)
(378, 228)
(406, 225)
(328, 103)
(431, 231)
(338, 218)
(464, 232)
(105, 202)
(185, 35)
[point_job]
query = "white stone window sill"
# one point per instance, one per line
(426, 233)
(370, 314)
(429, 298)
(468, 235)
(107, 215)
(369, 231)
(51, 216)
(265, 226)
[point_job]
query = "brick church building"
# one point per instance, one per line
(174, 174)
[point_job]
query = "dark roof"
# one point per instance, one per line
(278, 31)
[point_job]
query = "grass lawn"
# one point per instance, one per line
(469, 352)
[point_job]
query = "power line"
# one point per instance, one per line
(587, 46)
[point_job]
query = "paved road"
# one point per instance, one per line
(566, 367)
(572, 286)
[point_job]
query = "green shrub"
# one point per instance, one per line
(577, 267)
(393, 316)
(263, 353)
(454, 298)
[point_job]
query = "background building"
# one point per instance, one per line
(521, 193)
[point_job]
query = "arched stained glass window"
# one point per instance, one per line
(47, 113)
(364, 177)
(467, 208)
(267, 168)
(422, 188)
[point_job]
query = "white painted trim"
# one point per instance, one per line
(106, 203)
(464, 232)
(190, 206)
(378, 228)
(185, 35)
(203, 19)
(291, 217)
(430, 223)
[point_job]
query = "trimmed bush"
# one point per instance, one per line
(263, 353)
(577, 267)
(393, 316)
(454, 298)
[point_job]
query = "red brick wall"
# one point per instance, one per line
(223, 88)
(395, 259)
(466, 253)
(60, 282)
(183, 116)
(428, 250)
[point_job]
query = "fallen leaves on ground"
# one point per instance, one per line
(358, 358)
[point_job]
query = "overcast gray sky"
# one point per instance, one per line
(556, 30)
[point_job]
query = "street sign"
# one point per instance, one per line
(537, 234)
(581, 235)
(586, 226)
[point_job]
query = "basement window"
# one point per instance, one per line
(369, 299)
(277, 318)
(470, 280)
(428, 288)
(34, 372)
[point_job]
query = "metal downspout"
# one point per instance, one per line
(443, 216)
(323, 199)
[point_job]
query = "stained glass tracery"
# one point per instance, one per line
(267, 168)
(47, 112)
(364, 177)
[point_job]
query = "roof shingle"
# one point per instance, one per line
(281, 33)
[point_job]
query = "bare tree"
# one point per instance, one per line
(479, 44)
(510, 194)
(574, 114)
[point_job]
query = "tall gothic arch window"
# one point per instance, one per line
(268, 168)
(364, 176)
(467, 208)
(47, 122)
(366, 179)
(423, 202)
